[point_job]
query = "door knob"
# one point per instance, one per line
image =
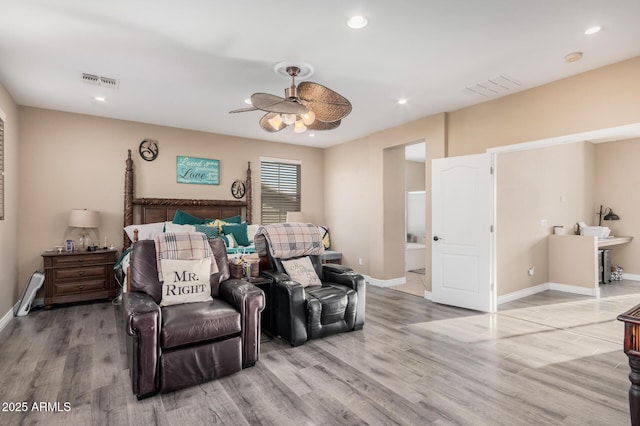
(436, 238)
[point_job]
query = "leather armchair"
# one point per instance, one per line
(173, 347)
(301, 314)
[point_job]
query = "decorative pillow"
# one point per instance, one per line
(209, 231)
(184, 218)
(233, 219)
(173, 227)
(326, 240)
(229, 241)
(145, 232)
(239, 232)
(252, 230)
(302, 271)
(185, 281)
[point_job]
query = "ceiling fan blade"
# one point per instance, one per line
(272, 103)
(321, 125)
(264, 123)
(328, 105)
(243, 110)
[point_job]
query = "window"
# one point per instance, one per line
(1, 167)
(280, 184)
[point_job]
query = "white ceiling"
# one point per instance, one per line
(186, 64)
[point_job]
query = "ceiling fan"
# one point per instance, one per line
(308, 105)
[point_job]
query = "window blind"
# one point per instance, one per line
(280, 184)
(1, 169)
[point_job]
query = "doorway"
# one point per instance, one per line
(415, 205)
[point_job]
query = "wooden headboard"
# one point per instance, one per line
(150, 210)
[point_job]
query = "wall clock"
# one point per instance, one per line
(148, 149)
(238, 189)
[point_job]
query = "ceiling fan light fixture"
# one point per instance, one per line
(288, 119)
(357, 22)
(275, 121)
(308, 118)
(299, 127)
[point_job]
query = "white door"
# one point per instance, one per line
(462, 216)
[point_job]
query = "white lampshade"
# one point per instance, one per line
(275, 121)
(295, 217)
(288, 119)
(83, 218)
(299, 127)
(308, 117)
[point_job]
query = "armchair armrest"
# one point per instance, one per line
(249, 300)
(289, 305)
(275, 276)
(346, 276)
(142, 324)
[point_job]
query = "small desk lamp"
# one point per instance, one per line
(83, 218)
(608, 215)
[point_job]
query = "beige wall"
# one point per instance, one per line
(77, 161)
(9, 226)
(617, 183)
(597, 99)
(414, 176)
(555, 185)
(602, 98)
(355, 177)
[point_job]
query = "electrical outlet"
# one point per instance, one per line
(359, 261)
(531, 270)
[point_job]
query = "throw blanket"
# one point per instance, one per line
(287, 240)
(184, 245)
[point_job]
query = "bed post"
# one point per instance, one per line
(248, 191)
(128, 199)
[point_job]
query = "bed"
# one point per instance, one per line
(143, 216)
(155, 210)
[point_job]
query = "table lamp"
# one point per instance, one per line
(83, 218)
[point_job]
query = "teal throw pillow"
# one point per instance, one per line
(233, 219)
(209, 231)
(184, 218)
(239, 232)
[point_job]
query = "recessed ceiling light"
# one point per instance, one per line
(593, 30)
(248, 101)
(312, 135)
(357, 22)
(99, 99)
(573, 57)
(402, 101)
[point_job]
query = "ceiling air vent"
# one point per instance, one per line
(493, 87)
(100, 81)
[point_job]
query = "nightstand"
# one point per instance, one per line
(78, 276)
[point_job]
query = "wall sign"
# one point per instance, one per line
(197, 170)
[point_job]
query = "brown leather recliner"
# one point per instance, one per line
(173, 347)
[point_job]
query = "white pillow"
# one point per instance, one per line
(174, 227)
(185, 281)
(302, 271)
(145, 232)
(232, 241)
(251, 232)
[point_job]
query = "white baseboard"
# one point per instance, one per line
(575, 289)
(510, 297)
(428, 295)
(385, 283)
(529, 291)
(630, 277)
(6, 319)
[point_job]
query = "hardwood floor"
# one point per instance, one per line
(550, 359)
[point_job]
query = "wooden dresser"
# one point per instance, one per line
(78, 276)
